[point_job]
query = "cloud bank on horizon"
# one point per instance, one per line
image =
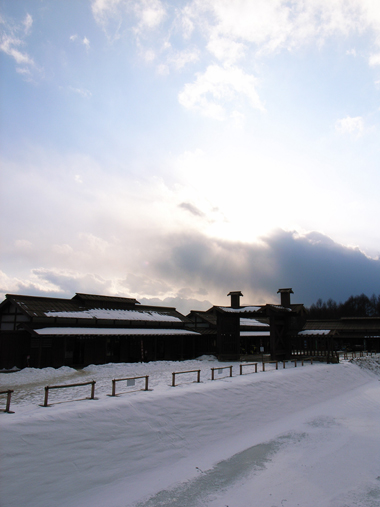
(174, 151)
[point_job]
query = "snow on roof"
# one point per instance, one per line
(243, 309)
(102, 313)
(314, 332)
(91, 331)
(254, 333)
(252, 322)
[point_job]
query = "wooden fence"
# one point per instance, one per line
(130, 381)
(198, 372)
(8, 392)
(47, 388)
(220, 370)
(247, 364)
(146, 377)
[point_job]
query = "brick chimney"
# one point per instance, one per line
(235, 298)
(285, 297)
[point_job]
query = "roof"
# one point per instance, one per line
(36, 306)
(254, 333)
(314, 332)
(89, 306)
(206, 316)
(242, 309)
(252, 323)
(351, 324)
(104, 299)
(91, 331)
(111, 314)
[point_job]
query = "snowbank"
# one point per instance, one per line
(303, 435)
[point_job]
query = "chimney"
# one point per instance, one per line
(285, 297)
(235, 298)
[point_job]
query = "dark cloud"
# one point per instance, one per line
(135, 283)
(183, 305)
(69, 283)
(191, 209)
(313, 264)
(190, 266)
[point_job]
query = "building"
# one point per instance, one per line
(235, 332)
(90, 329)
(346, 334)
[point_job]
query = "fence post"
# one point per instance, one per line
(283, 362)
(276, 365)
(230, 371)
(46, 396)
(199, 376)
(295, 363)
(92, 390)
(256, 368)
(263, 366)
(146, 382)
(113, 387)
(241, 369)
(8, 406)
(173, 379)
(212, 373)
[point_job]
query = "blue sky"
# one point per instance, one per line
(175, 151)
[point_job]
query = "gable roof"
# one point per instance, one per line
(93, 307)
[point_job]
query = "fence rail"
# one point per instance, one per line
(247, 364)
(270, 362)
(92, 383)
(222, 368)
(8, 392)
(198, 372)
(146, 377)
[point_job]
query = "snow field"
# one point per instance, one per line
(300, 436)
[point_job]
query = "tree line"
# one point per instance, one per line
(355, 306)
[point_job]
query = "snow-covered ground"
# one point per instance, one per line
(305, 436)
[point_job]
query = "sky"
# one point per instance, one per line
(175, 151)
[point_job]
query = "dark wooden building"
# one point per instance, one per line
(234, 332)
(346, 334)
(90, 329)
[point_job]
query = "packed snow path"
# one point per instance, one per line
(305, 436)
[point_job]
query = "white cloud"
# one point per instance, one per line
(73, 37)
(180, 59)
(350, 125)
(86, 42)
(81, 91)
(9, 45)
(150, 13)
(12, 41)
(374, 60)
(219, 85)
(225, 49)
(28, 21)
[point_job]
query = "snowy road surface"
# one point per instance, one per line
(306, 436)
